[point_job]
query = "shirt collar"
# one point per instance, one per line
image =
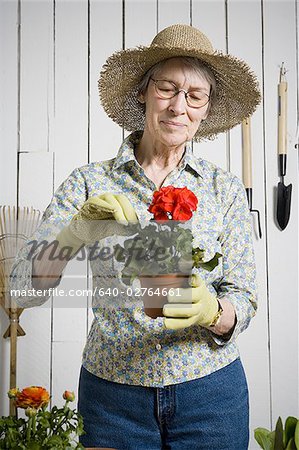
(126, 150)
(126, 154)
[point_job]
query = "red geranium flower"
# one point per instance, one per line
(173, 203)
(187, 197)
(181, 212)
(163, 203)
(160, 214)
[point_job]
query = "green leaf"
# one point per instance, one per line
(290, 426)
(296, 435)
(278, 442)
(34, 446)
(291, 445)
(263, 438)
(272, 437)
(54, 441)
(210, 265)
(119, 253)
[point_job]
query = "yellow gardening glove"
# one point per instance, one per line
(114, 209)
(194, 305)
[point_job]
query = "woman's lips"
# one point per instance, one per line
(173, 124)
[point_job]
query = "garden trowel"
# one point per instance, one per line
(283, 192)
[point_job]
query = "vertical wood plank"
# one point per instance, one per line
(70, 142)
(34, 349)
(137, 30)
(245, 41)
(4, 367)
(105, 39)
(36, 74)
(172, 12)
(70, 304)
(67, 356)
(209, 17)
(9, 101)
(35, 100)
(36, 179)
(8, 151)
(282, 245)
(297, 72)
(205, 15)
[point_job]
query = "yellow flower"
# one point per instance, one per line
(12, 393)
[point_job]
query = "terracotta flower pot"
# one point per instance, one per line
(156, 289)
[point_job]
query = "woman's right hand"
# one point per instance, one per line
(113, 210)
(116, 216)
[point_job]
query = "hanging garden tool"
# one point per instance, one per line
(247, 168)
(16, 225)
(283, 192)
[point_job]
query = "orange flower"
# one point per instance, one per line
(69, 396)
(33, 397)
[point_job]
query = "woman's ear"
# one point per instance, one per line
(141, 98)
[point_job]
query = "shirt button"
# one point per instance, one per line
(158, 347)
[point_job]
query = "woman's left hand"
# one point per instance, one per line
(202, 310)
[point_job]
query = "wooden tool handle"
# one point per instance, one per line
(282, 113)
(246, 148)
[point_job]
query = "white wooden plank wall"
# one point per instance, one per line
(52, 122)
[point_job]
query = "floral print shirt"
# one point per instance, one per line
(124, 345)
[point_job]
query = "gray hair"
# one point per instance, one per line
(194, 63)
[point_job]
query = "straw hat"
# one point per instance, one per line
(237, 87)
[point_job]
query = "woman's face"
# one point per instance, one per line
(171, 121)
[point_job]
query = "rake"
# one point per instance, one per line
(17, 224)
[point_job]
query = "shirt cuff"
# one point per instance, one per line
(22, 290)
(244, 310)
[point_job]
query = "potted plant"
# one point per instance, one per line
(42, 429)
(286, 438)
(160, 254)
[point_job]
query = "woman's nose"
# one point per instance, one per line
(178, 103)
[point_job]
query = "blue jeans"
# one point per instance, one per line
(208, 413)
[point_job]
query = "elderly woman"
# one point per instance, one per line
(174, 382)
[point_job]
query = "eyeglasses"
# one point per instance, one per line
(194, 98)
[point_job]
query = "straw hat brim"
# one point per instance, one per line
(237, 87)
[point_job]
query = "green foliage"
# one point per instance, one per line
(286, 438)
(161, 248)
(47, 430)
(197, 257)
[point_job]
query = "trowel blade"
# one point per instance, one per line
(284, 194)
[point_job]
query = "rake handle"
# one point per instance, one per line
(14, 321)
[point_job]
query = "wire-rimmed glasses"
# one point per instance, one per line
(167, 89)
